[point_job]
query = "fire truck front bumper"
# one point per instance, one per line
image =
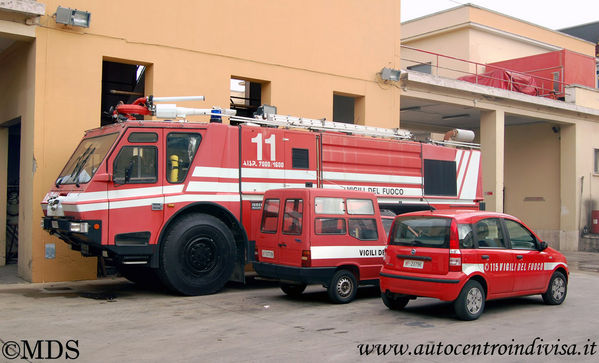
(86, 236)
(77, 233)
(306, 275)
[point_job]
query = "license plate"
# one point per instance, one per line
(268, 253)
(54, 224)
(413, 264)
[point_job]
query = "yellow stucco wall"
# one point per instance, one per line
(306, 50)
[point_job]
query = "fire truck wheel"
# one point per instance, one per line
(343, 287)
(293, 290)
(471, 302)
(393, 301)
(557, 289)
(197, 255)
(141, 275)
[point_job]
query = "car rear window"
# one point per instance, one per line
(421, 231)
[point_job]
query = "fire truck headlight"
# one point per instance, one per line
(79, 227)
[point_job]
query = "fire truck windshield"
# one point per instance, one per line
(86, 159)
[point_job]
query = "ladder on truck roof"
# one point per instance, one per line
(322, 125)
(146, 106)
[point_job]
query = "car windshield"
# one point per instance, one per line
(86, 159)
(421, 231)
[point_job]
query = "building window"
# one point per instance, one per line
(121, 82)
(348, 108)
(246, 95)
(596, 161)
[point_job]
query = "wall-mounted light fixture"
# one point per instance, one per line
(390, 74)
(73, 17)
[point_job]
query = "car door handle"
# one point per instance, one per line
(485, 257)
(519, 257)
(282, 245)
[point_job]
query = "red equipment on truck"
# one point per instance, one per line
(179, 200)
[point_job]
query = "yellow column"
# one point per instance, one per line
(569, 190)
(492, 141)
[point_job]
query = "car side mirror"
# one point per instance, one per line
(543, 246)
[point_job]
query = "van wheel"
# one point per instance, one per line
(393, 301)
(557, 289)
(343, 287)
(471, 302)
(197, 255)
(293, 290)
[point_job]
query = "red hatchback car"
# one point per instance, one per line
(468, 257)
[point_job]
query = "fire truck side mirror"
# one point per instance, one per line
(103, 177)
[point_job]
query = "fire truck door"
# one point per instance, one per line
(300, 159)
(135, 197)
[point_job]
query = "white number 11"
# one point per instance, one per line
(271, 141)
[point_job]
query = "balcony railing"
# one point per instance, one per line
(528, 82)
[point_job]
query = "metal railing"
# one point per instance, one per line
(475, 72)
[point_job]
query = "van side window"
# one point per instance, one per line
(270, 216)
(520, 237)
(360, 206)
(363, 229)
(488, 233)
(329, 226)
(180, 151)
(136, 164)
(327, 205)
(292, 218)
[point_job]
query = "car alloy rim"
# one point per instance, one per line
(344, 287)
(558, 288)
(474, 301)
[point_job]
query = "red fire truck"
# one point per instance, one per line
(179, 200)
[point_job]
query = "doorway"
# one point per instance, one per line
(12, 189)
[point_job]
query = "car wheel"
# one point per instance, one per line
(343, 287)
(293, 290)
(471, 302)
(557, 289)
(197, 255)
(393, 301)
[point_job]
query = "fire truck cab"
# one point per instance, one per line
(320, 236)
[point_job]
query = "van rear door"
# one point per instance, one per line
(420, 244)
(291, 239)
(268, 236)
